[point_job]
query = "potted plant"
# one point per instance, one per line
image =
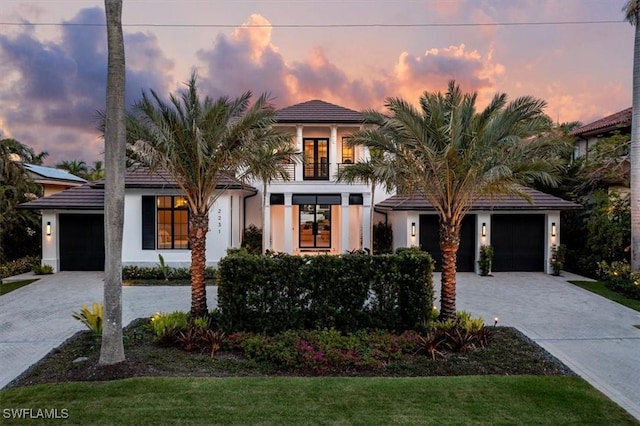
(558, 253)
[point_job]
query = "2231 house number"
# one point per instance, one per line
(219, 221)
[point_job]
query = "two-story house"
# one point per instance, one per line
(311, 213)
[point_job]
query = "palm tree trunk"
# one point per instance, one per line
(371, 214)
(635, 156)
(449, 243)
(112, 349)
(198, 228)
(264, 226)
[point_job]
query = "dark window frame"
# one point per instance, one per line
(172, 209)
(317, 170)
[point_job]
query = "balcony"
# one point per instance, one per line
(316, 171)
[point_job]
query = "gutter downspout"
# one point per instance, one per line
(386, 215)
(244, 209)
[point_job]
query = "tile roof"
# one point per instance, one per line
(540, 200)
(317, 111)
(615, 121)
(54, 174)
(90, 196)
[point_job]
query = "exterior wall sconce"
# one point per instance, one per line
(553, 229)
(484, 229)
(413, 229)
(48, 228)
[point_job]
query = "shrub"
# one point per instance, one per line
(18, 266)
(619, 278)
(558, 253)
(43, 269)
(252, 240)
(459, 335)
(348, 293)
(382, 238)
(166, 327)
(92, 318)
(486, 260)
(162, 272)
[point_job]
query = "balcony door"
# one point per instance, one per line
(316, 159)
(315, 226)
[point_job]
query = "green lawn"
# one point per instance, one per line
(599, 287)
(14, 285)
(464, 400)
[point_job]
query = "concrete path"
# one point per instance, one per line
(592, 335)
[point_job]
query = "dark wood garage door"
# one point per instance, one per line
(430, 241)
(518, 242)
(81, 242)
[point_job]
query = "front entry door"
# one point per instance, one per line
(315, 226)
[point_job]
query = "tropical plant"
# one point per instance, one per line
(20, 230)
(112, 349)
(201, 143)
(558, 254)
(452, 155)
(93, 318)
(632, 14)
(252, 240)
(382, 238)
(75, 167)
(166, 327)
(43, 269)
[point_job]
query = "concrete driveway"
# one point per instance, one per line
(592, 335)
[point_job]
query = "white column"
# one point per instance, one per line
(344, 222)
(288, 223)
(50, 254)
(266, 226)
(366, 221)
(299, 166)
(552, 238)
(333, 153)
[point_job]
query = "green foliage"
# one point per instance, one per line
(166, 327)
(92, 318)
(459, 335)
(43, 269)
(382, 238)
(164, 269)
(159, 272)
(322, 351)
(558, 254)
(620, 279)
(252, 240)
(600, 232)
(486, 260)
(18, 266)
(349, 292)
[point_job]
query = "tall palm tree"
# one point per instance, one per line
(96, 172)
(371, 171)
(199, 143)
(453, 155)
(112, 349)
(268, 161)
(632, 14)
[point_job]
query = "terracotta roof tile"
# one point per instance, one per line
(317, 111)
(541, 201)
(611, 122)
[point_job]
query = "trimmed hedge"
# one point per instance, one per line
(349, 292)
(156, 273)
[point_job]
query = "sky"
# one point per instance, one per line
(353, 53)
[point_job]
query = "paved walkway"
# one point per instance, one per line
(592, 335)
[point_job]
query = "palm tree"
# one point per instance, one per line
(453, 155)
(268, 161)
(371, 171)
(75, 167)
(95, 172)
(112, 349)
(199, 143)
(632, 14)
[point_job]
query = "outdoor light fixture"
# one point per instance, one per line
(553, 229)
(48, 228)
(495, 321)
(484, 229)
(413, 229)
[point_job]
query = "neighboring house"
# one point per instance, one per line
(52, 180)
(614, 173)
(310, 214)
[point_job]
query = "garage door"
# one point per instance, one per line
(518, 242)
(430, 241)
(81, 242)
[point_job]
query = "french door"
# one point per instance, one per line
(315, 226)
(316, 159)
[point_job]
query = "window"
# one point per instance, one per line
(173, 223)
(316, 159)
(347, 152)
